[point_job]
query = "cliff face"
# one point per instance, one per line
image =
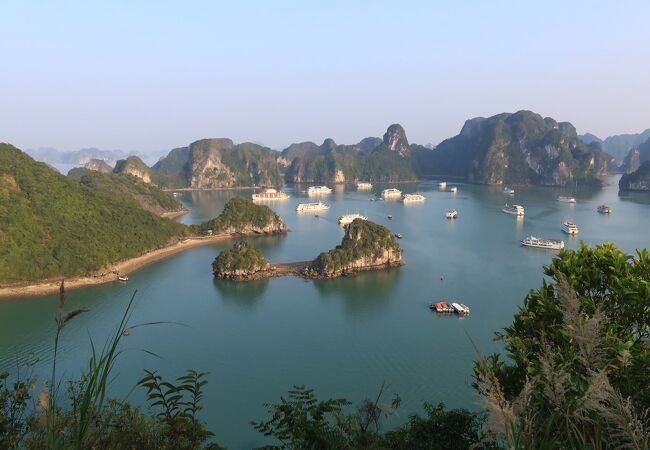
(134, 166)
(242, 262)
(639, 180)
(519, 148)
(242, 216)
(395, 140)
(637, 156)
(98, 165)
(365, 246)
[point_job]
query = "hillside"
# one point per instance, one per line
(519, 148)
(242, 216)
(55, 226)
(146, 195)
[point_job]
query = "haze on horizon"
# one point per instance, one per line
(153, 75)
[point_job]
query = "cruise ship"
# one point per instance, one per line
(564, 199)
(570, 228)
(411, 198)
(451, 214)
(364, 186)
(459, 308)
(551, 244)
(604, 209)
(318, 190)
(442, 184)
(269, 195)
(349, 218)
(310, 207)
(515, 210)
(391, 193)
(508, 191)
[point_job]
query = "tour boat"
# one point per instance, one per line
(570, 228)
(349, 218)
(459, 308)
(453, 189)
(389, 216)
(516, 210)
(604, 209)
(551, 244)
(318, 190)
(123, 278)
(442, 184)
(309, 207)
(411, 198)
(398, 236)
(270, 195)
(391, 193)
(451, 214)
(364, 186)
(441, 307)
(564, 199)
(508, 191)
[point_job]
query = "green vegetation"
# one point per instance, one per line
(363, 240)
(242, 257)
(148, 196)
(52, 225)
(241, 215)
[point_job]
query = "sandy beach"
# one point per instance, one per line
(109, 274)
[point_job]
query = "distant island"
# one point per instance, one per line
(365, 246)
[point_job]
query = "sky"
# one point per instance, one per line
(154, 75)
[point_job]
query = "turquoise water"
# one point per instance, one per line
(341, 337)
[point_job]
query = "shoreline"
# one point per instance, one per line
(109, 274)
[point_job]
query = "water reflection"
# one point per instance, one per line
(642, 198)
(244, 294)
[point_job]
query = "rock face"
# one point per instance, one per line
(98, 165)
(243, 217)
(395, 140)
(134, 166)
(639, 180)
(365, 246)
(519, 148)
(636, 157)
(242, 262)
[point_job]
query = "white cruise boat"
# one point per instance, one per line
(570, 228)
(551, 244)
(453, 189)
(349, 218)
(311, 207)
(564, 199)
(508, 191)
(318, 190)
(604, 209)
(451, 214)
(391, 193)
(364, 186)
(412, 198)
(442, 184)
(515, 210)
(270, 195)
(459, 308)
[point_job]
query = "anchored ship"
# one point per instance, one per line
(309, 207)
(409, 198)
(451, 214)
(318, 190)
(364, 186)
(516, 210)
(508, 191)
(570, 228)
(604, 209)
(270, 195)
(349, 218)
(551, 244)
(391, 193)
(564, 199)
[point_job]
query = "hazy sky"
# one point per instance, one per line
(152, 75)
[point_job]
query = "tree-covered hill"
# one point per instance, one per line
(52, 225)
(242, 216)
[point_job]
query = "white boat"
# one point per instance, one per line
(411, 198)
(364, 186)
(564, 199)
(318, 190)
(270, 195)
(459, 308)
(451, 214)
(391, 193)
(515, 210)
(309, 207)
(508, 191)
(442, 184)
(604, 209)
(123, 278)
(346, 219)
(570, 228)
(398, 235)
(453, 189)
(551, 244)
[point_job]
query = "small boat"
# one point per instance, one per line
(411, 198)
(536, 242)
(319, 190)
(516, 210)
(570, 228)
(122, 278)
(364, 186)
(398, 236)
(460, 309)
(441, 307)
(604, 209)
(269, 195)
(125, 333)
(308, 207)
(564, 199)
(451, 214)
(508, 191)
(442, 184)
(453, 189)
(390, 217)
(349, 218)
(391, 193)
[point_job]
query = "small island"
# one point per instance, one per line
(242, 217)
(365, 246)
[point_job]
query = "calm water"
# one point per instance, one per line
(342, 337)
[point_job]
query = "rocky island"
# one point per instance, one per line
(242, 217)
(242, 262)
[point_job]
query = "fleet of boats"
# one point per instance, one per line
(318, 190)
(516, 210)
(391, 193)
(364, 186)
(310, 207)
(410, 198)
(346, 219)
(604, 209)
(270, 195)
(566, 199)
(451, 214)
(551, 244)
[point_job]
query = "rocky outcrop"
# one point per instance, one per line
(241, 216)
(639, 180)
(365, 246)
(636, 157)
(395, 140)
(134, 166)
(242, 262)
(98, 165)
